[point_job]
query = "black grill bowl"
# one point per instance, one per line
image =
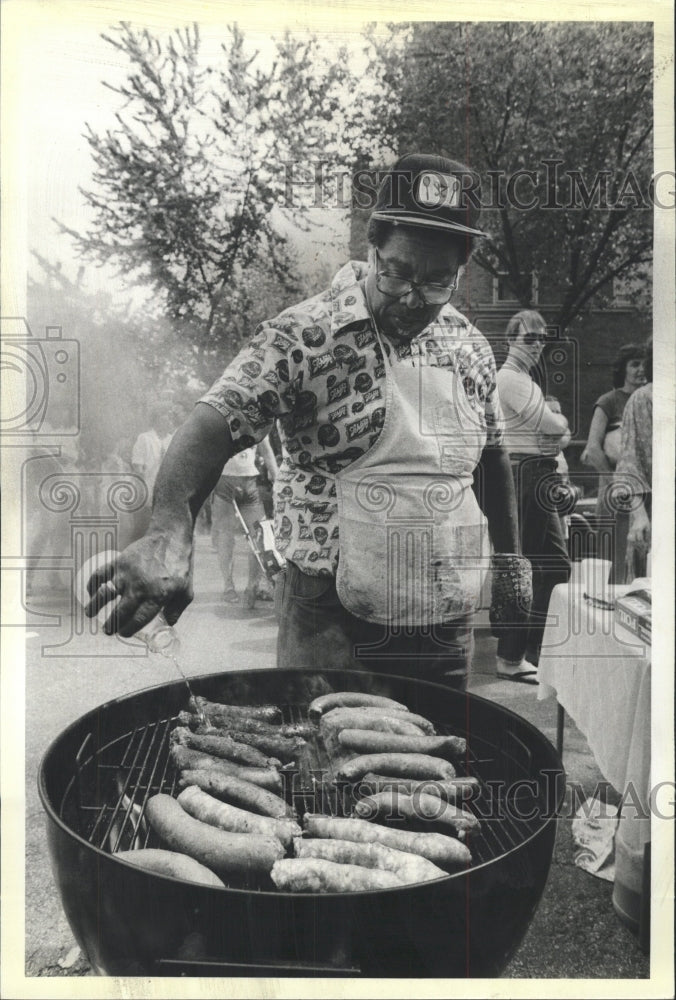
(130, 922)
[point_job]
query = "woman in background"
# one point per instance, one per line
(634, 472)
(603, 443)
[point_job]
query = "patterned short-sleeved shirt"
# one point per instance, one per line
(635, 465)
(319, 370)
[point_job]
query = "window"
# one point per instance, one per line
(503, 293)
(624, 291)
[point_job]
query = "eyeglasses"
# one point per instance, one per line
(396, 286)
(535, 337)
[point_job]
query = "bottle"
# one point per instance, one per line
(158, 634)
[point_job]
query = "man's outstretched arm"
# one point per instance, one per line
(155, 572)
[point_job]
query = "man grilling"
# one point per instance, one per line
(386, 402)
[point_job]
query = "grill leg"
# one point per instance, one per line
(560, 724)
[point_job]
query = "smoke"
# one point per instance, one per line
(130, 362)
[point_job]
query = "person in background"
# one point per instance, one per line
(265, 481)
(149, 449)
(562, 472)
(603, 443)
(239, 482)
(534, 433)
(47, 531)
(634, 473)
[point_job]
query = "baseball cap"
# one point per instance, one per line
(432, 192)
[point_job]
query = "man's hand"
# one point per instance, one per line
(151, 575)
(639, 529)
(155, 573)
(549, 443)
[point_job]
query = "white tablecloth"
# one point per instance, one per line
(600, 673)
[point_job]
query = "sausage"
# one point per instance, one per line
(226, 854)
(231, 789)
(446, 852)
(405, 765)
(180, 866)
(452, 790)
(366, 718)
(194, 760)
(222, 746)
(285, 748)
(269, 739)
(206, 808)
(396, 805)
(351, 718)
(351, 699)
(241, 722)
(211, 709)
(364, 741)
(407, 867)
(315, 875)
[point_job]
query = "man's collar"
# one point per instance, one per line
(347, 296)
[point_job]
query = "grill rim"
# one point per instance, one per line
(166, 687)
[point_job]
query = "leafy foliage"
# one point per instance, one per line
(570, 102)
(188, 193)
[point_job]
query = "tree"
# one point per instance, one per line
(557, 118)
(189, 193)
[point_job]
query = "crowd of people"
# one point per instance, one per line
(408, 464)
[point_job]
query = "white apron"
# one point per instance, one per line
(414, 544)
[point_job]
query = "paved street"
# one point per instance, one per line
(575, 931)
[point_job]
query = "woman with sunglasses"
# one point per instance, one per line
(533, 433)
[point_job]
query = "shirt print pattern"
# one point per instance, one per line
(319, 370)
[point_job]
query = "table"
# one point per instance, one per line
(600, 674)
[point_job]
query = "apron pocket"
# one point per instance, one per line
(411, 575)
(306, 589)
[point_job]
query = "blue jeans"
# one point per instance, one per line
(316, 632)
(542, 542)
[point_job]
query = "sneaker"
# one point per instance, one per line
(264, 594)
(231, 596)
(522, 672)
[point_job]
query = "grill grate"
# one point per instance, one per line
(106, 798)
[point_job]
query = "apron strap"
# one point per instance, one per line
(386, 357)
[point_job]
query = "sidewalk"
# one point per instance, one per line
(574, 933)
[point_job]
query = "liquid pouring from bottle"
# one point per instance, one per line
(158, 635)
